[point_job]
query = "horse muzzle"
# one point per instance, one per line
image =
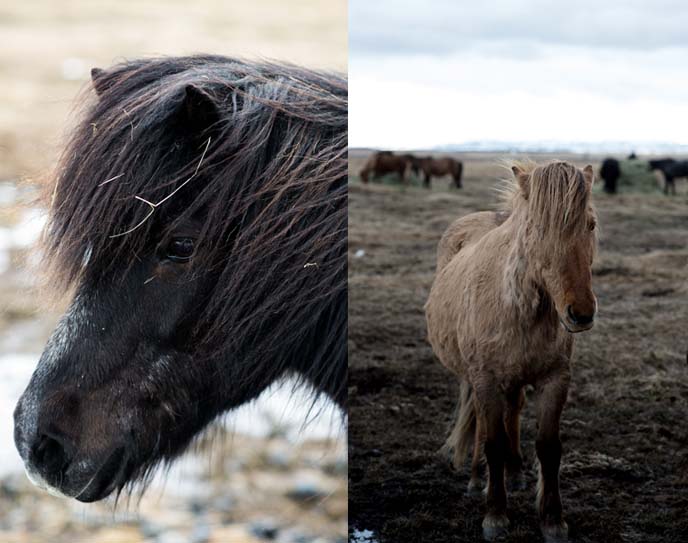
(54, 462)
(577, 322)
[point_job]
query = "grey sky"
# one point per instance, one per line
(608, 70)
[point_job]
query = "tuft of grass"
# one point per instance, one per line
(392, 180)
(637, 177)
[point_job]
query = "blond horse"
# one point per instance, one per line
(511, 289)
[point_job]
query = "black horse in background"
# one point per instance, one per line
(198, 214)
(610, 171)
(672, 170)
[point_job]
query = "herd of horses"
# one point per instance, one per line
(670, 168)
(386, 162)
(381, 163)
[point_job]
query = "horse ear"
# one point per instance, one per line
(198, 110)
(589, 175)
(97, 80)
(522, 178)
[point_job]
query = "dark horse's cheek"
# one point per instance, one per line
(107, 390)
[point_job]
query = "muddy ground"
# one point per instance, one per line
(625, 466)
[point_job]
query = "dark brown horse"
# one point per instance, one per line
(383, 163)
(198, 214)
(439, 167)
(415, 162)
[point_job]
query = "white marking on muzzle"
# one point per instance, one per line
(41, 483)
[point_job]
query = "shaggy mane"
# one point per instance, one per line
(557, 196)
(268, 178)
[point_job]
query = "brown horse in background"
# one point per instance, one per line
(415, 162)
(439, 167)
(383, 163)
(511, 289)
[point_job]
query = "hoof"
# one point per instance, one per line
(474, 488)
(555, 533)
(516, 482)
(495, 527)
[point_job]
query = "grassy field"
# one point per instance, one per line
(625, 465)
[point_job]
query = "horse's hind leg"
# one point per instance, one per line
(552, 396)
(512, 420)
(491, 409)
(475, 485)
(669, 187)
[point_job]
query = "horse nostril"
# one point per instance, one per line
(49, 455)
(579, 319)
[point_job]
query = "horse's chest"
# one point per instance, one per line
(511, 354)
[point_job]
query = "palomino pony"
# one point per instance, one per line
(511, 289)
(198, 215)
(439, 167)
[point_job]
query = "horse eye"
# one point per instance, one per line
(180, 250)
(593, 224)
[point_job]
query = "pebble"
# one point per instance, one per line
(306, 492)
(265, 529)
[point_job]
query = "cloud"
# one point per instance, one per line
(429, 73)
(440, 27)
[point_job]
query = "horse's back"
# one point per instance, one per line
(466, 231)
(454, 257)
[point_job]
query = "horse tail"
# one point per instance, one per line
(462, 434)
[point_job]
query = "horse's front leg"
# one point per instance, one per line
(550, 403)
(514, 461)
(490, 411)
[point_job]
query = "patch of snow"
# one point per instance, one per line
(291, 411)
(363, 536)
(28, 230)
(22, 235)
(8, 193)
(15, 372)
